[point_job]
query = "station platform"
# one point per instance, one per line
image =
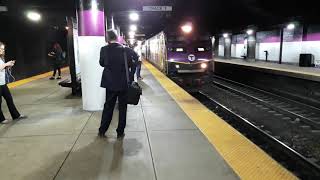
(169, 136)
(307, 73)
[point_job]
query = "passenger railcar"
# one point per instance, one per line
(178, 53)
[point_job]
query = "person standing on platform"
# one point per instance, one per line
(57, 54)
(114, 80)
(137, 49)
(4, 90)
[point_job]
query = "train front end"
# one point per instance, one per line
(189, 55)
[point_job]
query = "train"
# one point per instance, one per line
(180, 52)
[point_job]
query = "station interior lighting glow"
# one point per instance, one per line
(33, 16)
(132, 33)
(131, 41)
(225, 35)
(133, 28)
(134, 16)
(250, 31)
(291, 26)
(131, 36)
(187, 28)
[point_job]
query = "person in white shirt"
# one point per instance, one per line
(4, 90)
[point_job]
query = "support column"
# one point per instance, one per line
(251, 54)
(227, 48)
(91, 38)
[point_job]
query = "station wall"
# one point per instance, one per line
(268, 41)
(237, 46)
(29, 43)
(295, 42)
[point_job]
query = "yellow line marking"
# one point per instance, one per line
(33, 78)
(244, 157)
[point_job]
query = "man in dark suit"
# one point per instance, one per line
(114, 79)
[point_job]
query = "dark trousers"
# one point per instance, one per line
(5, 93)
(55, 69)
(109, 105)
(138, 71)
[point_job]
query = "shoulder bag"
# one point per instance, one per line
(134, 89)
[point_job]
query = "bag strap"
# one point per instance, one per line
(126, 64)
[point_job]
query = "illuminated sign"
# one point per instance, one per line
(157, 8)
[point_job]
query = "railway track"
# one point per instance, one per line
(288, 130)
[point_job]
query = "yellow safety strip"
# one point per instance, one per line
(33, 78)
(244, 157)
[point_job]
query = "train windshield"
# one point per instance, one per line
(184, 39)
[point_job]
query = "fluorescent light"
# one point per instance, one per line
(34, 16)
(291, 26)
(201, 49)
(250, 31)
(134, 16)
(225, 35)
(187, 28)
(177, 66)
(3, 9)
(133, 28)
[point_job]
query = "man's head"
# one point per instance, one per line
(112, 35)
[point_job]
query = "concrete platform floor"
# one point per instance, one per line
(59, 140)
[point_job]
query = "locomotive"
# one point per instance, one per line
(180, 52)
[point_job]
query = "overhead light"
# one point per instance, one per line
(134, 16)
(291, 26)
(33, 16)
(225, 35)
(67, 28)
(250, 31)
(3, 9)
(132, 33)
(133, 28)
(187, 28)
(177, 66)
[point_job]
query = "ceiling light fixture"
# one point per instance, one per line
(34, 16)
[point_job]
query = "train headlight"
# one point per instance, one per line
(204, 65)
(177, 66)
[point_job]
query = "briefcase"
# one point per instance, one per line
(134, 93)
(134, 89)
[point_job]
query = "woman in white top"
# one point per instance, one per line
(4, 90)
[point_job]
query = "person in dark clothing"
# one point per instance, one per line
(57, 54)
(4, 90)
(114, 80)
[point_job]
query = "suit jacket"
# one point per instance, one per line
(114, 74)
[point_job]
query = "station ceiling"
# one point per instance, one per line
(215, 15)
